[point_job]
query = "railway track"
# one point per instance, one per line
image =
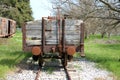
(66, 71)
(76, 70)
(37, 75)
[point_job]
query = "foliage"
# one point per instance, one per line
(18, 10)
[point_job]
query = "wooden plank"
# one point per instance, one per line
(73, 27)
(33, 26)
(54, 28)
(51, 42)
(33, 42)
(12, 27)
(71, 32)
(52, 24)
(72, 42)
(51, 37)
(48, 25)
(73, 22)
(51, 32)
(4, 27)
(0, 20)
(72, 37)
(34, 22)
(34, 36)
(33, 32)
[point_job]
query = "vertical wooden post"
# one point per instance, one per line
(63, 35)
(24, 37)
(43, 34)
(82, 40)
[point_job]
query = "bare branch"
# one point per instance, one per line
(110, 6)
(114, 18)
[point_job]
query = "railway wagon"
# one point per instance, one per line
(53, 38)
(7, 27)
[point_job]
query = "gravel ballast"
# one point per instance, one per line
(79, 69)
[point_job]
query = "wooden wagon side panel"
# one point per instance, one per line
(33, 33)
(4, 25)
(46, 35)
(7, 27)
(51, 32)
(72, 31)
(0, 27)
(12, 27)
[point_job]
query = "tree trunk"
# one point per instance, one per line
(86, 34)
(109, 34)
(103, 34)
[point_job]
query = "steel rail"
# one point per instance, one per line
(67, 73)
(37, 75)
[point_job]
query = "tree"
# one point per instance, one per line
(18, 10)
(100, 16)
(112, 15)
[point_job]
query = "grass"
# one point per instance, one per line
(107, 55)
(11, 53)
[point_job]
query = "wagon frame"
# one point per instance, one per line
(65, 51)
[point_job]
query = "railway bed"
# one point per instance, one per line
(78, 69)
(56, 71)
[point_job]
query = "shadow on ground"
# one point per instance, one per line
(13, 61)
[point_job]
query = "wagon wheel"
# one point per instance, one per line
(35, 58)
(40, 62)
(70, 57)
(64, 59)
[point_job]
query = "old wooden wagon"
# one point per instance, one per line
(53, 38)
(7, 27)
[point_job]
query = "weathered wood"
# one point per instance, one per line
(71, 22)
(72, 37)
(33, 26)
(6, 27)
(33, 32)
(33, 42)
(34, 22)
(12, 28)
(34, 36)
(51, 36)
(73, 27)
(52, 24)
(71, 32)
(51, 41)
(72, 42)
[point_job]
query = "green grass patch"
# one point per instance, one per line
(105, 52)
(11, 53)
